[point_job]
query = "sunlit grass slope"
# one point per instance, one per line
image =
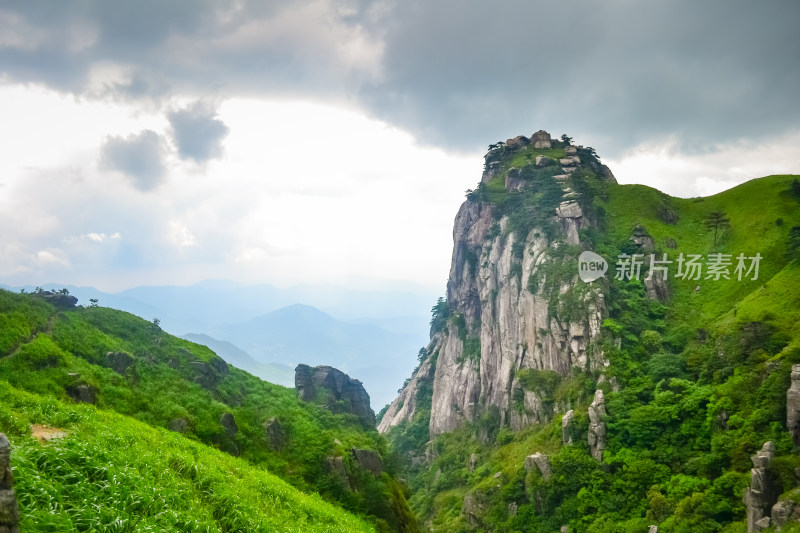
(168, 382)
(113, 473)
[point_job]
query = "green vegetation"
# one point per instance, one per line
(112, 473)
(130, 366)
(695, 384)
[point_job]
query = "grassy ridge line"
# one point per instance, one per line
(113, 473)
(753, 208)
(154, 392)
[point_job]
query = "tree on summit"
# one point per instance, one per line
(717, 221)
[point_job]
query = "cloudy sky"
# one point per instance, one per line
(166, 142)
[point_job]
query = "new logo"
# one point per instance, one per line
(591, 266)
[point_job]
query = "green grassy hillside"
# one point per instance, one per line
(131, 367)
(113, 473)
(699, 380)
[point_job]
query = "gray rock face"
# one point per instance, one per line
(368, 460)
(763, 491)
(652, 529)
(275, 434)
(785, 511)
(336, 385)
(62, 301)
(474, 508)
(641, 238)
(9, 507)
(514, 179)
(82, 393)
(209, 375)
(335, 466)
(543, 161)
(597, 426)
(656, 286)
(517, 142)
(405, 405)
(793, 405)
(229, 423)
(540, 462)
(473, 462)
(566, 427)
(506, 310)
(491, 170)
(119, 362)
(541, 139)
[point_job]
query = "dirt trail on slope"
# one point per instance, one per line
(45, 434)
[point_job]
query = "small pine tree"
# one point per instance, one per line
(795, 189)
(717, 221)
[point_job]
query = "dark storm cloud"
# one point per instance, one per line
(140, 157)
(619, 72)
(197, 131)
(460, 74)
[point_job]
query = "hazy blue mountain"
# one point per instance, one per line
(209, 303)
(304, 334)
(274, 373)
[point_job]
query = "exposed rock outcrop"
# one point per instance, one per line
(642, 239)
(763, 491)
(541, 139)
(9, 507)
(334, 385)
(597, 426)
(275, 434)
(209, 375)
(368, 460)
(656, 286)
(566, 427)
(517, 142)
(786, 510)
(514, 179)
(540, 462)
(82, 393)
(229, 423)
(335, 466)
(474, 508)
(119, 362)
(793, 405)
(61, 300)
(506, 317)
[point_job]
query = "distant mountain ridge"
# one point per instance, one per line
(274, 373)
(280, 328)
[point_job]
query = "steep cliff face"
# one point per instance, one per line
(514, 298)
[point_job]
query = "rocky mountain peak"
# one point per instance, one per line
(514, 313)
